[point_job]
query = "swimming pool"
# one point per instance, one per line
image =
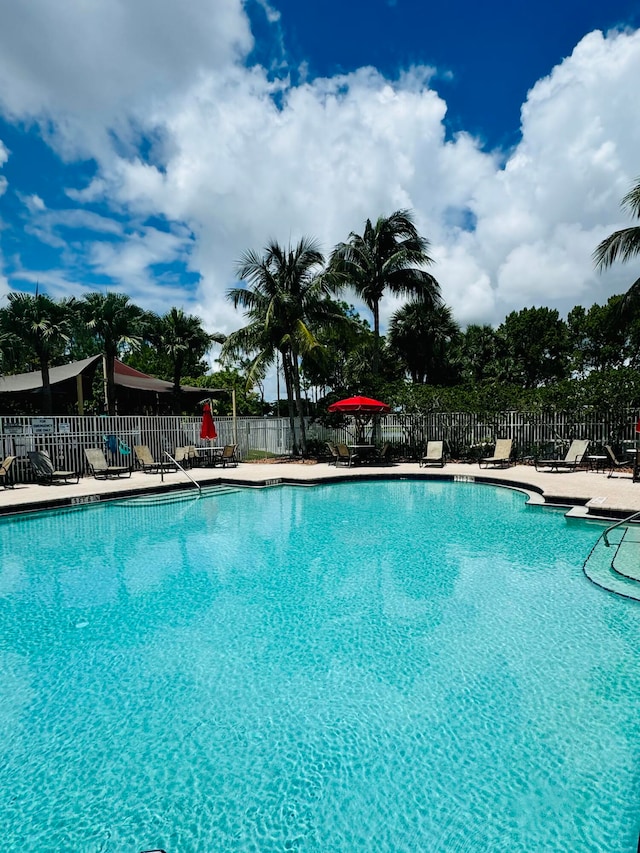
(389, 666)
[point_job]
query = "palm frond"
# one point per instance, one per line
(624, 244)
(632, 200)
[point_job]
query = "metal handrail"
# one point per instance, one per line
(186, 473)
(617, 524)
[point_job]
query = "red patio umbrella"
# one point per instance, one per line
(362, 409)
(359, 404)
(208, 428)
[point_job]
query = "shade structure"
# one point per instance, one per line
(207, 428)
(362, 405)
(362, 409)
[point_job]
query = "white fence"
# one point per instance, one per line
(65, 438)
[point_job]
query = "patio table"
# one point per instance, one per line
(364, 452)
(209, 455)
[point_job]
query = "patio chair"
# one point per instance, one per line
(6, 477)
(228, 458)
(346, 456)
(181, 455)
(333, 450)
(148, 464)
(572, 461)
(195, 460)
(614, 463)
(45, 472)
(501, 455)
(434, 455)
(382, 456)
(100, 468)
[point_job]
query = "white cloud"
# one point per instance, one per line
(33, 202)
(240, 158)
(272, 15)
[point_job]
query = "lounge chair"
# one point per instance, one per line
(228, 458)
(100, 468)
(501, 455)
(5, 472)
(614, 463)
(45, 472)
(148, 463)
(434, 454)
(572, 461)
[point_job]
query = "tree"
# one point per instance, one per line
(388, 256)
(598, 338)
(623, 245)
(421, 336)
(182, 340)
(534, 347)
(477, 354)
(328, 366)
(284, 299)
(248, 403)
(41, 325)
(118, 325)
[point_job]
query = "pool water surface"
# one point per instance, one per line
(373, 666)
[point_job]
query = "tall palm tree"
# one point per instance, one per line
(420, 335)
(44, 327)
(389, 255)
(623, 245)
(285, 300)
(118, 325)
(181, 338)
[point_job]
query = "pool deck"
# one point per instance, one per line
(582, 492)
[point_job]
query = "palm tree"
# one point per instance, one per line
(181, 338)
(285, 300)
(387, 256)
(623, 245)
(421, 335)
(118, 324)
(42, 325)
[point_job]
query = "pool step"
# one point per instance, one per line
(177, 497)
(626, 560)
(617, 568)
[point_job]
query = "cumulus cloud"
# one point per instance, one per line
(234, 157)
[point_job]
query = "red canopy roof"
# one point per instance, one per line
(359, 404)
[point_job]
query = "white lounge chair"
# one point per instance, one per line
(99, 466)
(572, 461)
(501, 455)
(434, 455)
(148, 463)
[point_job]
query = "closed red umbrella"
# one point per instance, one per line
(208, 428)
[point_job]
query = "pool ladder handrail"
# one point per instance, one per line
(186, 473)
(605, 536)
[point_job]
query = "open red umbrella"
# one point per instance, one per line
(208, 428)
(362, 409)
(365, 405)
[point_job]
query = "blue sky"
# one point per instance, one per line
(488, 55)
(146, 144)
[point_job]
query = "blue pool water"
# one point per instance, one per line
(378, 666)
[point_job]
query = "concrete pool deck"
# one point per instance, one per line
(587, 492)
